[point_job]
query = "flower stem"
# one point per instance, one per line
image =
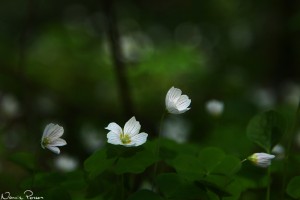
(158, 146)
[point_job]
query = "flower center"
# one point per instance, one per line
(45, 141)
(125, 138)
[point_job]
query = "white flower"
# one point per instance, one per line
(129, 136)
(10, 106)
(51, 138)
(215, 107)
(261, 159)
(176, 129)
(177, 103)
(278, 150)
(66, 163)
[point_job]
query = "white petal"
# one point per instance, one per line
(132, 127)
(183, 102)
(53, 149)
(113, 138)
(58, 142)
(114, 127)
(139, 139)
(54, 131)
(46, 130)
(173, 110)
(172, 95)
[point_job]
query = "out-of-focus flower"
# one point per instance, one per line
(278, 150)
(51, 138)
(215, 107)
(66, 163)
(177, 103)
(263, 97)
(91, 138)
(291, 93)
(261, 159)
(129, 136)
(10, 106)
(176, 129)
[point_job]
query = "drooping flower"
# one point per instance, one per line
(129, 136)
(177, 103)
(215, 107)
(261, 159)
(51, 138)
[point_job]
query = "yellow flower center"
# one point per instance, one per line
(45, 141)
(125, 138)
(253, 159)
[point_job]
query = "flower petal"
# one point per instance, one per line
(139, 139)
(46, 130)
(53, 149)
(58, 142)
(183, 102)
(54, 131)
(132, 127)
(172, 96)
(114, 127)
(113, 138)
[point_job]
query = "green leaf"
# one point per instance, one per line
(98, 163)
(210, 158)
(176, 187)
(228, 166)
(24, 159)
(188, 165)
(220, 191)
(208, 162)
(293, 188)
(145, 195)
(266, 129)
(136, 163)
(135, 160)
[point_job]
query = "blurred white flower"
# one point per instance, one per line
(261, 159)
(291, 93)
(214, 107)
(66, 163)
(263, 98)
(10, 106)
(278, 150)
(128, 137)
(91, 138)
(51, 138)
(177, 103)
(176, 129)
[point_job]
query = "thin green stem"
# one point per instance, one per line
(158, 146)
(290, 138)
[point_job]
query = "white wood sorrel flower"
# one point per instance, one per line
(51, 138)
(177, 103)
(261, 159)
(129, 136)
